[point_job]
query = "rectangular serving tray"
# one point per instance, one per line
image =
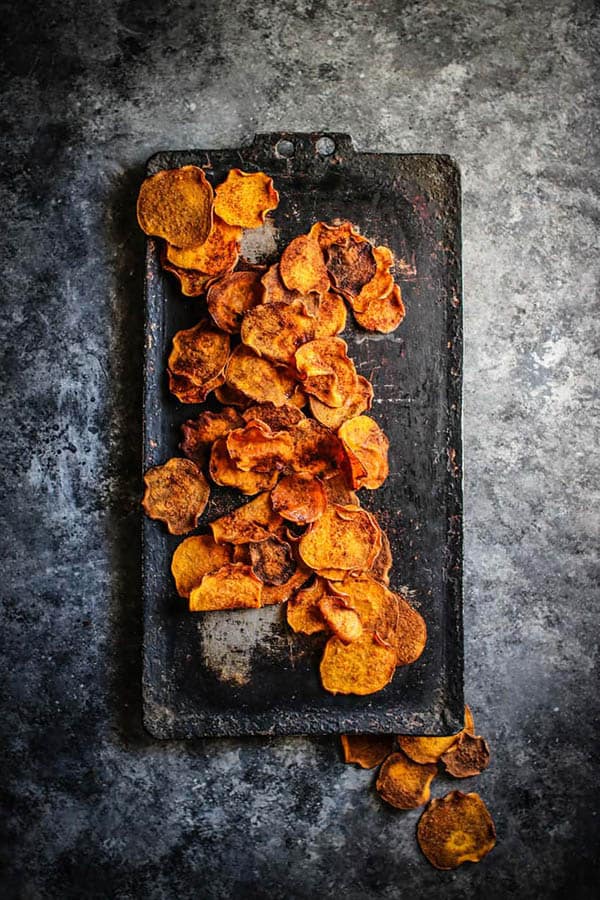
(243, 671)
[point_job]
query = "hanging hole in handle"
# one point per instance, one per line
(284, 148)
(325, 146)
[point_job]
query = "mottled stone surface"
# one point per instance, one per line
(95, 808)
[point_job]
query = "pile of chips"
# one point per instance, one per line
(291, 429)
(455, 829)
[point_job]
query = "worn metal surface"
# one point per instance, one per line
(244, 672)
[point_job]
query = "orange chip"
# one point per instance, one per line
(455, 829)
(412, 634)
(176, 494)
(469, 756)
(362, 667)
(233, 586)
(253, 522)
(176, 204)
(469, 723)
(196, 557)
(375, 604)
(330, 315)
(199, 434)
(316, 449)
(199, 353)
(403, 783)
(257, 378)
(272, 561)
(278, 418)
(384, 314)
(255, 448)
(351, 264)
(302, 266)
(363, 439)
(367, 750)
(231, 297)
(224, 471)
(338, 232)
(381, 283)
(230, 396)
(380, 570)
(299, 498)
(303, 613)
(343, 621)
(337, 491)
(274, 289)
(276, 330)
(358, 402)
(245, 198)
(345, 538)
(427, 749)
(326, 370)
(187, 391)
(273, 594)
(217, 254)
(192, 284)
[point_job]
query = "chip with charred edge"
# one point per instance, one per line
(276, 330)
(272, 561)
(412, 633)
(326, 370)
(337, 491)
(380, 570)
(176, 494)
(351, 265)
(362, 667)
(299, 498)
(367, 750)
(302, 266)
(353, 469)
(255, 521)
(381, 283)
(336, 232)
(257, 378)
(218, 254)
(303, 613)
(192, 284)
(343, 621)
(255, 448)
(196, 557)
(469, 756)
(278, 418)
(455, 829)
(245, 198)
(187, 391)
(383, 315)
(330, 315)
(198, 435)
(273, 594)
(177, 205)
(375, 604)
(224, 471)
(345, 537)
(230, 396)
(316, 449)
(403, 783)
(199, 353)
(233, 586)
(231, 297)
(363, 438)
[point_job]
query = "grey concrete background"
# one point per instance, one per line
(92, 806)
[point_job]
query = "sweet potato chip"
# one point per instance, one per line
(199, 353)
(245, 198)
(358, 402)
(224, 471)
(198, 435)
(345, 538)
(403, 783)
(412, 634)
(299, 498)
(241, 554)
(380, 570)
(255, 521)
(316, 449)
(302, 266)
(274, 290)
(255, 448)
(276, 330)
(176, 204)
(257, 378)
(375, 604)
(455, 829)
(176, 494)
(469, 756)
(367, 750)
(272, 561)
(192, 284)
(337, 491)
(196, 557)
(303, 613)
(383, 314)
(336, 232)
(230, 396)
(231, 297)
(329, 315)
(187, 391)
(362, 667)
(233, 586)
(426, 749)
(278, 418)
(343, 621)
(273, 594)
(326, 370)
(351, 264)
(363, 439)
(381, 283)
(218, 254)
(469, 723)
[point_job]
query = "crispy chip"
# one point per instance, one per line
(330, 315)
(233, 586)
(337, 232)
(303, 613)
(316, 449)
(274, 289)
(255, 448)
(231, 297)
(412, 634)
(375, 604)
(278, 418)
(380, 570)
(253, 522)
(245, 198)
(196, 557)
(470, 755)
(345, 538)
(276, 330)
(199, 434)
(273, 594)
(367, 750)
(455, 829)
(176, 494)
(381, 283)
(364, 440)
(302, 266)
(327, 371)
(469, 723)
(224, 471)
(337, 491)
(383, 314)
(230, 396)
(272, 561)
(176, 204)
(362, 667)
(192, 284)
(351, 264)
(199, 353)
(343, 621)
(403, 783)
(187, 391)
(218, 254)
(427, 749)
(358, 402)
(257, 378)
(299, 498)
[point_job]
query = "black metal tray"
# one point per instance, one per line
(243, 672)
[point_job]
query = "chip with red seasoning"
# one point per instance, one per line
(302, 266)
(403, 783)
(455, 829)
(245, 198)
(299, 498)
(176, 494)
(231, 297)
(216, 255)
(198, 435)
(177, 205)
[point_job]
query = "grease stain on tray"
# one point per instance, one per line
(229, 643)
